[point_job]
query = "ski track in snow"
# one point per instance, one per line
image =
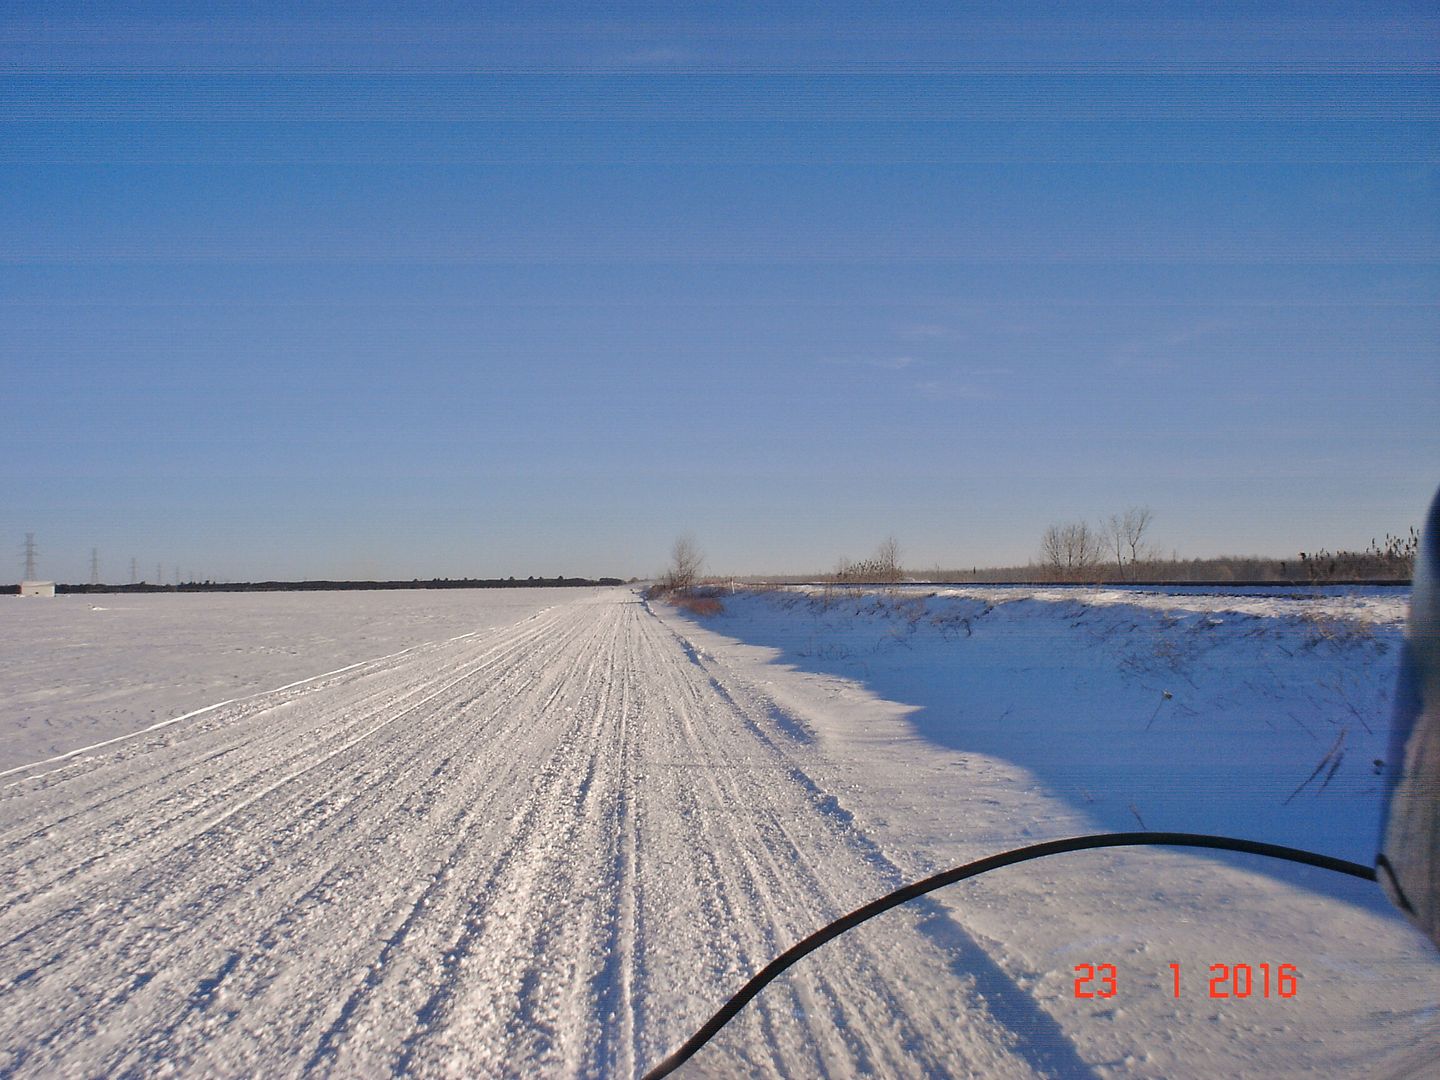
(553, 847)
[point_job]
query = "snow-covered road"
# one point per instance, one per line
(551, 847)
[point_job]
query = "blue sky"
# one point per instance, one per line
(290, 290)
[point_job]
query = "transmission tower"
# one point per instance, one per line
(94, 566)
(30, 553)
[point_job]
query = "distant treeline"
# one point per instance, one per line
(1221, 570)
(1117, 551)
(337, 586)
(1322, 569)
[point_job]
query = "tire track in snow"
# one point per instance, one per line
(1035, 1035)
(551, 847)
(188, 798)
(813, 1016)
(162, 895)
(558, 854)
(250, 709)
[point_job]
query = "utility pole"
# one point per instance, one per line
(30, 553)
(159, 577)
(134, 571)
(94, 566)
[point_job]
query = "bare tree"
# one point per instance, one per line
(1113, 529)
(1070, 550)
(887, 560)
(1125, 533)
(884, 565)
(1052, 550)
(686, 562)
(1137, 521)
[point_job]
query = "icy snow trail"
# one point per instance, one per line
(550, 847)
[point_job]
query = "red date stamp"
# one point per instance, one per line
(1225, 980)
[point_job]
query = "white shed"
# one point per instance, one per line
(37, 588)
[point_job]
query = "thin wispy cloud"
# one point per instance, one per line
(944, 380)
(1158, 352)
(658, 57)
(944, 390)
(877, 363)
(927, 332)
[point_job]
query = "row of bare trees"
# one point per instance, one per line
(1394, 559)
(1114, 548)
(884, 565)
(1074, 550)
(1078, 551)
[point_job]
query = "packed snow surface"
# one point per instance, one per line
(83, 668)
(553, 840)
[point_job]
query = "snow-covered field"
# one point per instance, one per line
(81, 669)
(552, 837)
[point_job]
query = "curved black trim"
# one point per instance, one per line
(1382, 863)
(729, 1010)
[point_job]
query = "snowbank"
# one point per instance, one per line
(954, 725)
(1262, 716)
